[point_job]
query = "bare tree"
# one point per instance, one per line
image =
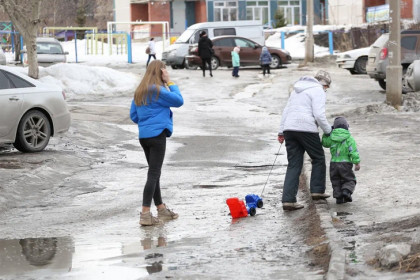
(25, 15)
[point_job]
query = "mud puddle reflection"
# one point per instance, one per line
(67, 258)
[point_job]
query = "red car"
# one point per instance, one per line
(249, 54)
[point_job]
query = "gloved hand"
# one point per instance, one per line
(357, 167)
(280, 138)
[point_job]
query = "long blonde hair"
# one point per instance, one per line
(152, 77)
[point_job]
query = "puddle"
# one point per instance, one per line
(31, 254)
(209, 186)
(343, 214)
(69, 258)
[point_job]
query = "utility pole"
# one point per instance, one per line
(309, 46)
(394, 69)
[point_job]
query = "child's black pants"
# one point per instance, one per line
(342, 177)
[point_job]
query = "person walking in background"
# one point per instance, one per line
(236, 61)
(265, 60)
(151, 51)
(150, 110)
(205, 51)
(344, 154)
(305, 110)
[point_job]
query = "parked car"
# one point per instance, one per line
(2, 57)
(175, 54)
(31, 111)
(354, 60)
(250, 53)
(378, 59)
(49, 51)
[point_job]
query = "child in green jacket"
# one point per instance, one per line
(235, 62)
(344, 154)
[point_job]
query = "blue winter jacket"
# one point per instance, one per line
(265, 57)
(156, 116)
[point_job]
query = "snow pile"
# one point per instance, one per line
(76, 79)
(295, 44)
(411, 102)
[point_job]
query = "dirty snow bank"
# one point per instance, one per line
(411, 102)
(83, 80)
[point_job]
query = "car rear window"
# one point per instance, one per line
(17, 81)
(381, 41)
(409, 42)
(224, 31)
(4, 81)
(48, 48)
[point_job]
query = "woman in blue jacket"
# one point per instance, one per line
(150, 109)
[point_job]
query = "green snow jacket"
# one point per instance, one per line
(342, 146)
(235, 59)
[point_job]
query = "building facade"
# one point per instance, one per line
(294, 11)
(360, 11)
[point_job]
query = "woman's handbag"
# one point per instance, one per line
(147, 50)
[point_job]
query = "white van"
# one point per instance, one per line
(175, 54)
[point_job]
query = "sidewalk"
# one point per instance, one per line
(385, 203)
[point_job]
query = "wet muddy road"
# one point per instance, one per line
(72, 211)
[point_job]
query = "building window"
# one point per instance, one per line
(225, 11)
(258, 10)
(291, 10)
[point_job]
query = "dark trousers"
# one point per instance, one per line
(154, 149)
(235, 71)
(266, 67)
(342, 177)
(150, 56)
(206, 61)
(296, 145)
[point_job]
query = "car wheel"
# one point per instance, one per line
(352, 71)
(382, 83)
(190, 67)
(360, 65)
(33, 133)
(275, 61)
(174, 67)
(214, 63)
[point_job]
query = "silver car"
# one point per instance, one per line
(2, 57)
(31, 111)
(49, 51)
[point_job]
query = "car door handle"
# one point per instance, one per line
(14, 99)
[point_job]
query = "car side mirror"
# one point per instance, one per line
(66, 53)
(255, 47)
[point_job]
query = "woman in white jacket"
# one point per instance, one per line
(152, 50)
(304, 112)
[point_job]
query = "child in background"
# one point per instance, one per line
(235, 62)
(344, 154)
(265, 59)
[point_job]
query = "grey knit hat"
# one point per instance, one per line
(323, 77)
(341, 122)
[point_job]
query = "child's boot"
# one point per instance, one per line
(347, 195)
(340, 200)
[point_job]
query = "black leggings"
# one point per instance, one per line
(206, 61)
(154, 149)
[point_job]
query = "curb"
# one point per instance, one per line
(337, 264)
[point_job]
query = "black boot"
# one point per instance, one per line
(340, 200)
(347, 195)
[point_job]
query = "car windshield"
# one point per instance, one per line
(381, 41)
(185, 37)
(48, 48)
